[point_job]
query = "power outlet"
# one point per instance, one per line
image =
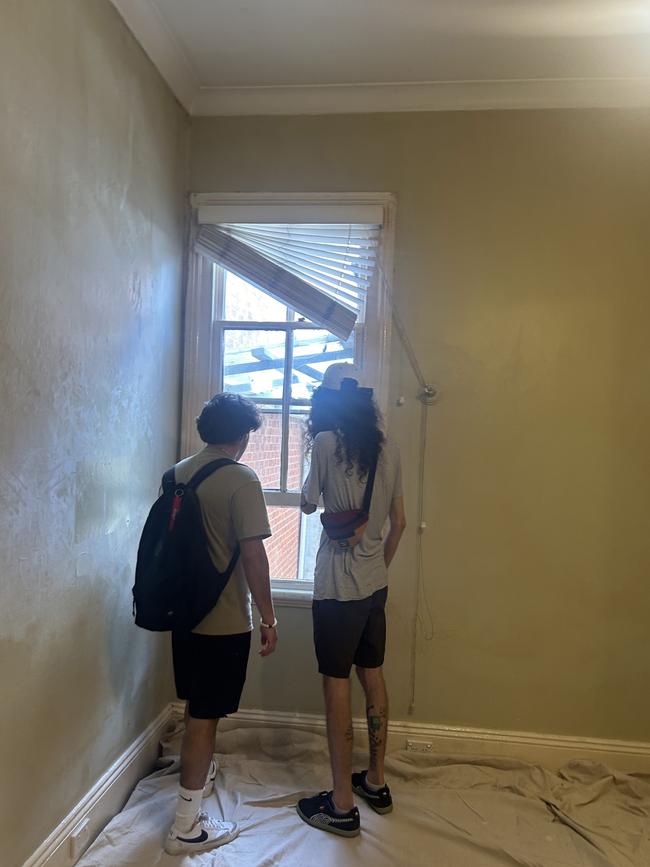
(79, 839)
(419, 746)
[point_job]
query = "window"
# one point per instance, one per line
(244, 335)
(270, 354)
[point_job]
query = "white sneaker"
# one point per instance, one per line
(206, 833)
(209, 783)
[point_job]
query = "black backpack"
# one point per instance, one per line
(176, 582)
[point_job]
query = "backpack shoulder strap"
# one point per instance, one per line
(168, 480)
(233, 562)
(202, 474)
(370, 484)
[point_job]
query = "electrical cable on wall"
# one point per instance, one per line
(427, 395)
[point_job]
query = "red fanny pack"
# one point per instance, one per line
(347, 528)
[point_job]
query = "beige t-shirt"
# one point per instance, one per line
(233, 509)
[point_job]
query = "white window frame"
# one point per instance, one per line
(201, 368)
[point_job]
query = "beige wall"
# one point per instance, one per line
(522, 271)
(92, 172)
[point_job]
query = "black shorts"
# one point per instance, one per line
(350, 633)
(210, 671)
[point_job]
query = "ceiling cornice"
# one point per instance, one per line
(424, 96)
(150, 29)
(145, 21)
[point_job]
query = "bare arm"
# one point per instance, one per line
(397, 527)
(256, 568)
(312, 488)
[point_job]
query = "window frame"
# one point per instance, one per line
(282, 496)
(202, 349)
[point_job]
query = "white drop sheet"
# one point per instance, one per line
(449, 812)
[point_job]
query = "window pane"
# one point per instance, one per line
(283, 548)
(246, 303)
(264, 448)
(313, 352)
(253, 362)
(297, 463)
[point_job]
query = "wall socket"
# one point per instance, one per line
(419, 746)
(79, 839)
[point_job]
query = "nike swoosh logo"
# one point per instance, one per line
(184, 798)
(203, 836)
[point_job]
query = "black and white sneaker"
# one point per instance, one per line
(380, 801)
(319, 812)
(206, 833)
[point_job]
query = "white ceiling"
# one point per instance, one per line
(297, 56)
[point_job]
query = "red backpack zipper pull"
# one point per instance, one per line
(176, 507)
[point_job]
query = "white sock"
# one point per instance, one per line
(187, 808)
(371, 786)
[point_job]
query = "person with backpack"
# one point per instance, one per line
(210, 659)
(355, 468)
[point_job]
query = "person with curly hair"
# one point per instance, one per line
(351, 460)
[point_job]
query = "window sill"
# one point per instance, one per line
(291, 596)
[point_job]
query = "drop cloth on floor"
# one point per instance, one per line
(449, 812)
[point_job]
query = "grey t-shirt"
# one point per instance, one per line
(355, 573)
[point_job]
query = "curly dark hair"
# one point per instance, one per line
(226, 418)
(355, 419)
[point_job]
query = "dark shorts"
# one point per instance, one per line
(210, 671)
(350, 633)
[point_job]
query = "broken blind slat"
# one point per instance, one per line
(338, 259)
(310, 301)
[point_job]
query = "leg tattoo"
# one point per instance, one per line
(376, 717)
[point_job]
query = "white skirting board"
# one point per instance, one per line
(549, 750)
(109, 793)
(106, 798)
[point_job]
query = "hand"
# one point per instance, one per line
(269, 639)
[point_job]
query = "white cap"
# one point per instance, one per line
(336, 373)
